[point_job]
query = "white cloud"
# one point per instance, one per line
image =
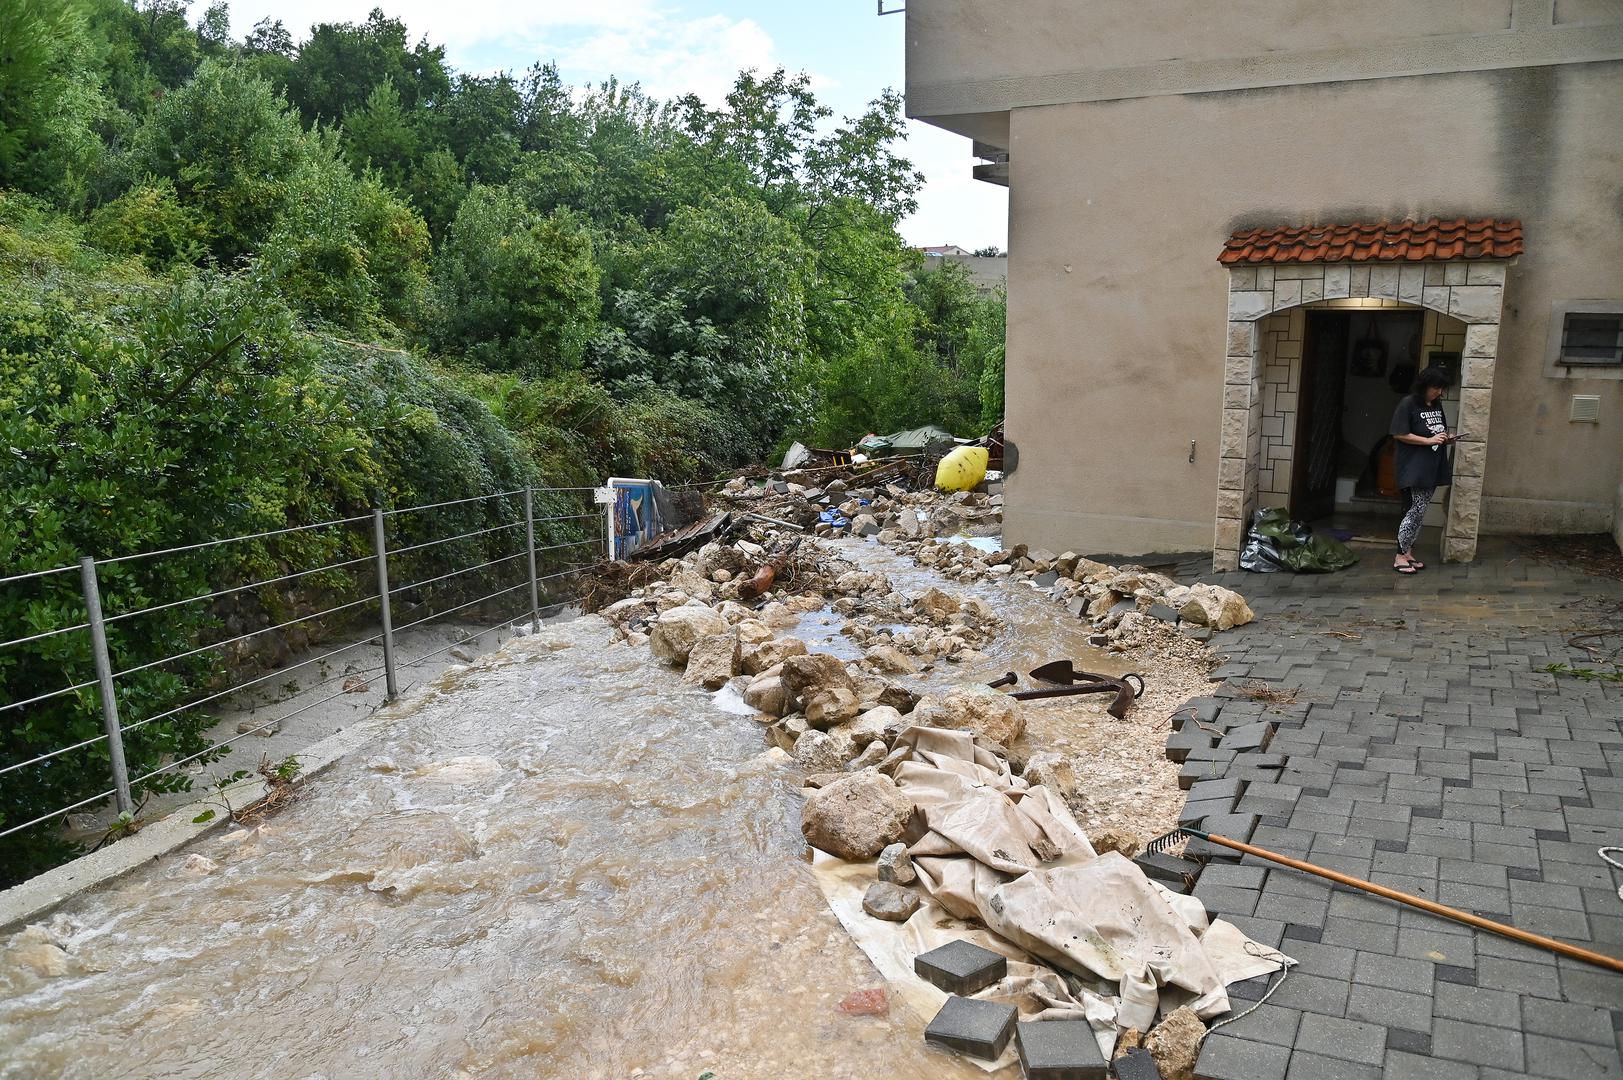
(461, 25)
(673, 57)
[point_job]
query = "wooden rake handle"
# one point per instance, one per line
(1527, 937)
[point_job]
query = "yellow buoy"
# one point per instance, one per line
(962, 469)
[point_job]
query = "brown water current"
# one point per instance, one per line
(564, 862)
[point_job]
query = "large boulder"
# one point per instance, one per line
(824, 751)
(982, 710)
(806, 675)
(766, 693)
(825, 708)
(1210, 605)
(856, 816)
(760, 656)
(673, 636)
(713, 660)
(936, 604)
(879, 724)
(891, 660)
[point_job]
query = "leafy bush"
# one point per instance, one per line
(149, 223)
(514, 291)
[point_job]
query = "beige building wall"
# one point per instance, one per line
(1117, 304)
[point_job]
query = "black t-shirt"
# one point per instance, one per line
(1421, 466)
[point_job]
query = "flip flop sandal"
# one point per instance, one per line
(1417, 564)
(1406, 568)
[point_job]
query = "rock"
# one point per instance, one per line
(1113, 840)
(824, 751)
(1210, 605)
(679, 629)
(1054, 772)
(891, 902)
(982, 710)
(777, 615)
(936, 604)
(879, 724)
(825, 708)
(977, 609)
(873, 1002)
(856, 817)
(1046, 579)
(891, 660)
(461, 655)
(872, 756)
(43, 958)
(812, 672)
(198, 865)
(908, 524)
(752, 632)
(1175, 1044)
(713, 660)
(355, 684)
(694, 584)
(787, 731)
(766, 693)
(631, 609)
(263, 728)
(769, 654)
(896, 865)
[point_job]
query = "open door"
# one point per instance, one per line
(1318, 414)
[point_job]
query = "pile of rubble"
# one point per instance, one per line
(861, 505)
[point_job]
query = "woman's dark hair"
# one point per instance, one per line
(1432, 376)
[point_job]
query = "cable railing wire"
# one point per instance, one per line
(238, 588)
(233, 540)
(117, 729)
(454, 539)
(243, 637)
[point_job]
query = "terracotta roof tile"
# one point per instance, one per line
(1432, 240)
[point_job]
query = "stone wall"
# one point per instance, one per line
(1470, 292)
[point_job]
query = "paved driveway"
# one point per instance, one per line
(1425, 750)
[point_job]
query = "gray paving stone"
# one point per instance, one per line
(1266, 1022)
(1389, 1008)
(1335, 1036)
(1477, 1004)
(1405, 1066)
(1226, 1058)
(1479, 1044)
(1059, 1050)
(1309, 1066)
(1564, 1059)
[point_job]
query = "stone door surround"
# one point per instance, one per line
(1471, 290)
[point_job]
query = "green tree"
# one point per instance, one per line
(230, 147)
(48, 99)
(515, 290)
(340, 65)
(381, 135)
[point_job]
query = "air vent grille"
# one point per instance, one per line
(1585, 409)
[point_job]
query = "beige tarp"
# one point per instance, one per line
(1008, 854)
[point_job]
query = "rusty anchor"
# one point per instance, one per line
(1077, 682)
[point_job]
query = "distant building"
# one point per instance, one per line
(1240, 228)
(989, 272)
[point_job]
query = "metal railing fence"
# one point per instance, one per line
(445, 575)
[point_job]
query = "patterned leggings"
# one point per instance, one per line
(1416, 501)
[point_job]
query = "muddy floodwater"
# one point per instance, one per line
(563, 863)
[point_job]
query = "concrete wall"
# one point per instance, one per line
(968, 58)
(1117, 318)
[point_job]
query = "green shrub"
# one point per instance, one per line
(148, 222)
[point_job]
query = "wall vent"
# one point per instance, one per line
(1585, 409)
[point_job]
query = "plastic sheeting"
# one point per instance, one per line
(1088, 935)
(1275, 543)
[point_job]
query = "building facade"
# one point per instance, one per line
(1237, 230)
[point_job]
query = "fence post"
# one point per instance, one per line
(529, 542)
(104, 676)
(379, 545)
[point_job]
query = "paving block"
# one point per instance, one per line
(1059, 1050)
(1137, 1064)
(1223, 1058)
(1169, 870)
(1229, 788)
(1193, 812)
(961, 967)
(1248, 737)
(974, 1027)
(1233, 826)
(1180, 743)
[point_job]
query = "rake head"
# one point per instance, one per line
(1176, 836)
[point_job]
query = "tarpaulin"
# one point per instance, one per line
(1092, 935)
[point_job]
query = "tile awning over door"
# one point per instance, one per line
(1432, 240)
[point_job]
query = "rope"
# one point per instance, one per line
(1613, 863)
(1253, 949)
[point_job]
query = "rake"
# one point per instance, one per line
(1163, 843)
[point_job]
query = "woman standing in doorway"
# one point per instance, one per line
(1421, 432)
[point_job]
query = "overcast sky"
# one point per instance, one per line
(676, 46)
